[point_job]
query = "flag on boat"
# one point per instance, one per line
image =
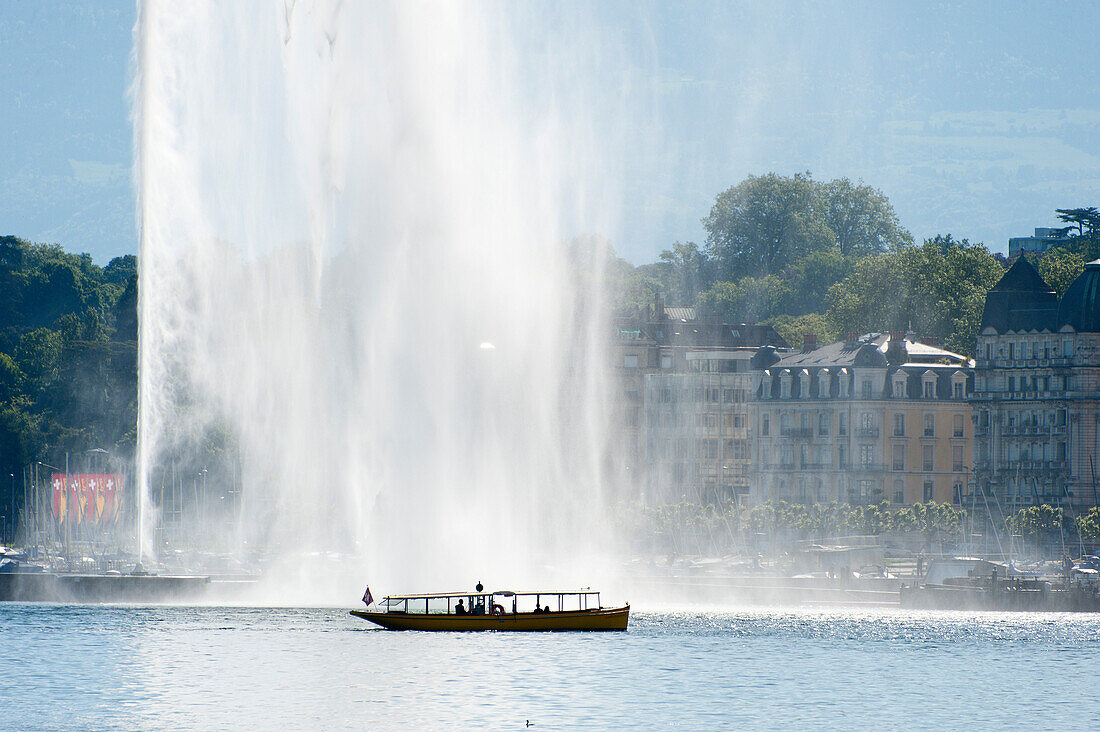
(367, 598)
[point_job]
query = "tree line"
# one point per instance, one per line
(690, 528)
(68, 358)
(830, 258)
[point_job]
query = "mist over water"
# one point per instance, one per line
(356, 285)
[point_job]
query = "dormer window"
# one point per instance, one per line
(865, 388)
(785, 386)
(928, 385)
(958, 385)
(899, 388)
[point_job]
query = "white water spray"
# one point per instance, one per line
(355, 283)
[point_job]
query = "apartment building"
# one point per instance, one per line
(871, 418)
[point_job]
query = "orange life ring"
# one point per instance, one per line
(497, 610)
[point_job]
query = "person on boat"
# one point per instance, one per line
(546, 609)
(460, 609)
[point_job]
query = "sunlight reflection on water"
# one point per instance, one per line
(216, 667)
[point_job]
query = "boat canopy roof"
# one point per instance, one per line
(502, 593)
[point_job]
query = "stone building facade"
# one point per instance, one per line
(1036, 400)
(862, 420)
(684, 382)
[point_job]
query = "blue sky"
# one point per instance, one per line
(975, 119)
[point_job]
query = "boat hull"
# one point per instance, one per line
(601, 619)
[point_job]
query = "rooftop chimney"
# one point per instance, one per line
(897, 351)
(809, 342)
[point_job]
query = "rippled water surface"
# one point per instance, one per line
(76, 667)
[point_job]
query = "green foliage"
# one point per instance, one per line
(1037, 522)
(1088, 524)
(861, 218)
(695, 528)
(938, 288)
(684, 273)
(1059, 267)
(748, 300)
(68, 377)
(765, 223)
(793, 327)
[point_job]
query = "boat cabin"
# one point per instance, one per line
(501, 602)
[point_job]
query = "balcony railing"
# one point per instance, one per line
(867, 432)
(797, 432)
(868, 467)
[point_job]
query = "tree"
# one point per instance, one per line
(748, 300)
(938, 288)
(1059, 267)
(861, 218)
(1085, 220)
(685, 270)
(808, 281)
(793, 327)
(1037, 522)
(767, 223)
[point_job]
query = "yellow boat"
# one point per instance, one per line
(463, 611)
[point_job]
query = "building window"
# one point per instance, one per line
(899, 388)
(786, 455)
(784, 424)
(866, 455)
(929, 389)
(957, 458)
(842, 424)
(899, 424)
(1067, 348)
(666, 362)
(957, 390)
(865, 389)
(928, 490)
(957, 425)
(899, 490)
(630, 361)
(785, 387)
(928, 458)
(842, 455)
(1011, 383)
(899, 457)
(804, 422)
(929, 424)
(823, 423)
(765, 424)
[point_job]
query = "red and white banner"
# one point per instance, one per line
(87, 497)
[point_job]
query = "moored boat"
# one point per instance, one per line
(465, 611)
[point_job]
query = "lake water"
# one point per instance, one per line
(113, 667)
